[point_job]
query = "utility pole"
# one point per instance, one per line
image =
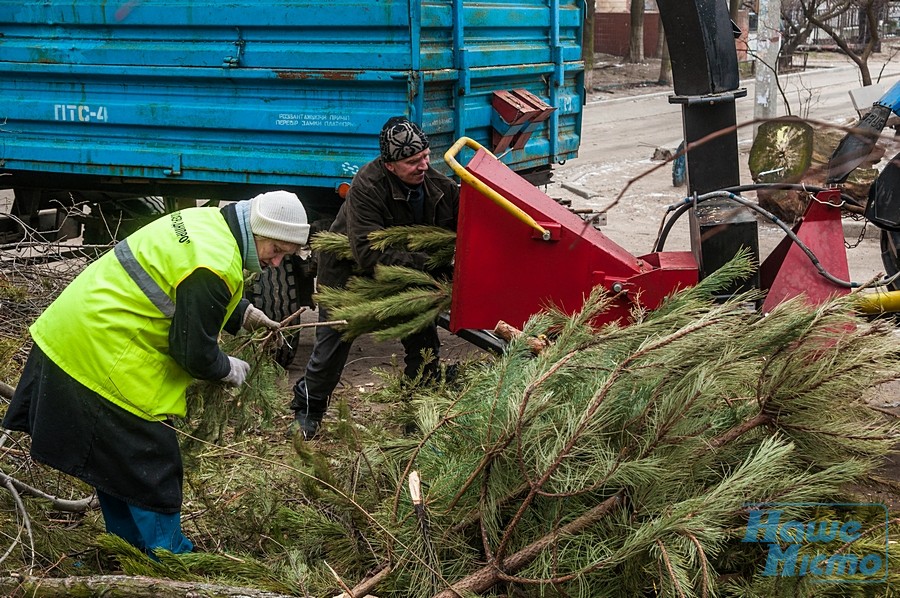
(768, 44)
(587, 43)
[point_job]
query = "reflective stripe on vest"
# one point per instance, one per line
(143, 280)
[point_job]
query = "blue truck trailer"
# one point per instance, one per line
(187, 100)
(115, 111)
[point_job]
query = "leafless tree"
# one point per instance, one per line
(796, 28)
(803, 16)
(665, 62)
(636, 39)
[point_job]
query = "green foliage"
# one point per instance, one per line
(396, 302)
(439, 243)
(335, 243)
(10, 352)
(621, 461)
(11, 291)
(193, 566)
(677, 421)
(214, 407)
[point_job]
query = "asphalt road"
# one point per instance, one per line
(619, 128)
(620, 134)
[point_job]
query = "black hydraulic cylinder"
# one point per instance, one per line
(700, 36)
(701, 46)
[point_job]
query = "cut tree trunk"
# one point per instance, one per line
(488, 576)
(122, 586)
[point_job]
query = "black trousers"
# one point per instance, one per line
(77, 431)
(312, 392)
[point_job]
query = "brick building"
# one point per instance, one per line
(612, 28)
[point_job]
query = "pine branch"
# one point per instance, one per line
(122, 585)
(60, 504)
(440, 243)
(488, 576)
(692, 411)
(414, 238)
(395, 303)
(336, 244)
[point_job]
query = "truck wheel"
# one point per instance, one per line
(281, 291)
(890, 248)
(114, 219)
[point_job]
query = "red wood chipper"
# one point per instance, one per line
(519, 251)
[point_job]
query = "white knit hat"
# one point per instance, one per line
(279, 215)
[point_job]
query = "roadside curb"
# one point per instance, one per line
(745, 83)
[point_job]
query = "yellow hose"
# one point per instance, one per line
(470, 179)
(878, 302)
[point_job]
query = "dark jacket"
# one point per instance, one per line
(200, 305)
(378, 200)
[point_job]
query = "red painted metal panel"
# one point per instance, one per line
(788, 272)
(505, 272)
(520, 112)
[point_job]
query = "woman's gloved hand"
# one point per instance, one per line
(238, 372)
(255, 318)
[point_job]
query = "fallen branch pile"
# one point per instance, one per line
(621, 461)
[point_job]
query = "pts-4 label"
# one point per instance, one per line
(80, 113)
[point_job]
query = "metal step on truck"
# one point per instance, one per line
(116, 111)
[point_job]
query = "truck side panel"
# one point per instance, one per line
(253, 92)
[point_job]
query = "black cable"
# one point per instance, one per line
(666, 225)
(812, 189)
(688, 202)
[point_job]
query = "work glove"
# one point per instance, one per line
(238, 372)
(255, 318)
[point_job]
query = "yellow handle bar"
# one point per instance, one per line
(470, 179)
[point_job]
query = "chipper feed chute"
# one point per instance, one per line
(518, 251)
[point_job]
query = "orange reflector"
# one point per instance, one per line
(343, 189)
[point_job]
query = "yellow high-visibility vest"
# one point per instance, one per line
(109, 329)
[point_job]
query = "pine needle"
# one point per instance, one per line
(396, 301)
(621, 461)
(336, 244)
(413, 238)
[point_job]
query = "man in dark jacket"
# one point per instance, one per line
(399, 188)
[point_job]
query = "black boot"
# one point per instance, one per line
(306, 424)
(307, 419)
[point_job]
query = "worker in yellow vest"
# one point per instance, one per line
(115, 352)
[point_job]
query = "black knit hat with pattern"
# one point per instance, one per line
(401, 138)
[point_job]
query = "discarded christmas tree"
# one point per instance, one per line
(625, 461)
(396, 301)
(620, 461)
